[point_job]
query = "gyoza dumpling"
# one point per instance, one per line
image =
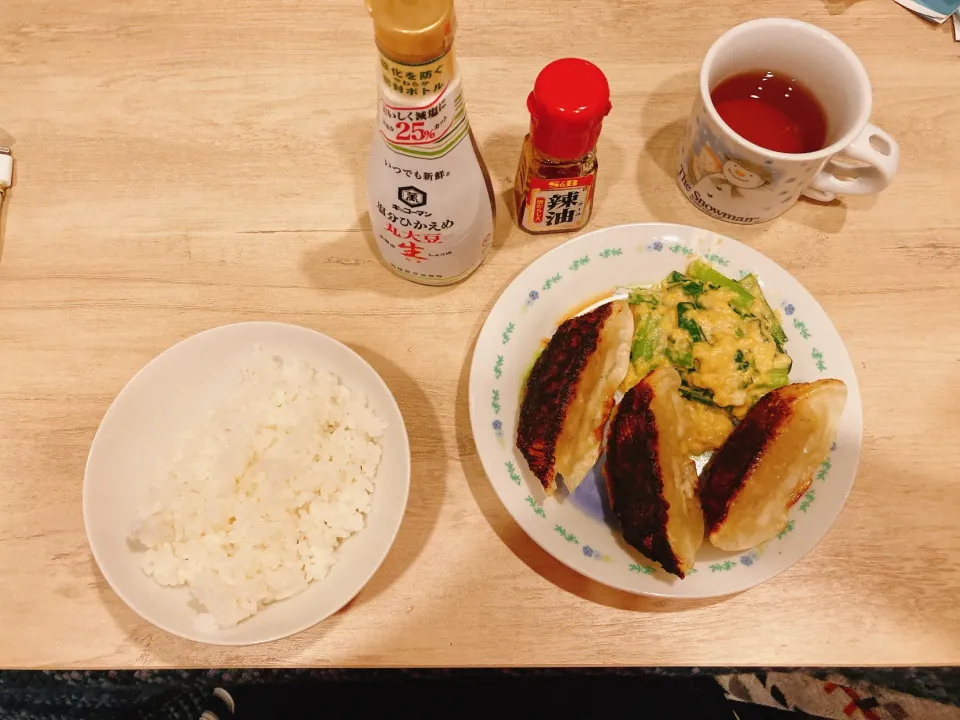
(569, 394)
(768, 462)
(651, 481)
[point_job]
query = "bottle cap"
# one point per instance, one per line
(569, 101)
(412, 31)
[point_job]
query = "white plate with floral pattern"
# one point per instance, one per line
(577, 530)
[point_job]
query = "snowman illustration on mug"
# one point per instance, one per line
(725, 185)
(729, 188)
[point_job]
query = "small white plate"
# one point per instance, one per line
(575, 529)
(140, 431)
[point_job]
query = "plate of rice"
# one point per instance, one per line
(246, 483)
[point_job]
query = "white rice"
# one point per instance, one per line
(263, 490)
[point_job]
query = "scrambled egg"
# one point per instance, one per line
(723, 339)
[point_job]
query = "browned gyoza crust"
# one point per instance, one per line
(552, 386)
(723, 478)
(634, 478)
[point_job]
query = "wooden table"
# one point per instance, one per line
(186, 165)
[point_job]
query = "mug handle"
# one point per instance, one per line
(877, 155)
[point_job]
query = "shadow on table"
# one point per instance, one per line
(500, 152)
(156, 647)
(838, 7)
(520, 543)
(428, 473)
(663, 129)
(6, 206)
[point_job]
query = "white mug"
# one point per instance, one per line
(735, 180)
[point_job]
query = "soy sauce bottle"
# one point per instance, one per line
(429, 194)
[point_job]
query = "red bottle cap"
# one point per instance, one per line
(569, 101)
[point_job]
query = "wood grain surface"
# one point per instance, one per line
(182, 165)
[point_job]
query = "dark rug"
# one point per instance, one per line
(728, 693)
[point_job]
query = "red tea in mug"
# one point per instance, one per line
(773, 111)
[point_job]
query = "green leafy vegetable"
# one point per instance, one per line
(693, 289)
(752, 285)
(742, 363)
(774, 379)
(688, 323)
(696, 394)
(642, 297)
(679, 358)
(645, 339)
(699, 270)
